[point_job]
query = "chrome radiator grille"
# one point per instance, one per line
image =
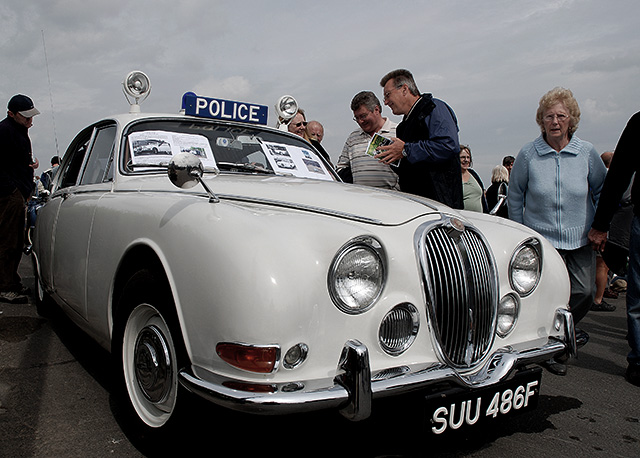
(461, 289)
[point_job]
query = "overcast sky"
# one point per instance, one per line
(491, 60)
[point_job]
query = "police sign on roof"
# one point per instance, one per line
(206, 107)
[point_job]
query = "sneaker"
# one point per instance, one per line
(633, 374)
(610, 294)
(13, 298)
(619, 285)
(603, 307)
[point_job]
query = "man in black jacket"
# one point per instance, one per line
(16, 186)
(427, 145)
(625, 163)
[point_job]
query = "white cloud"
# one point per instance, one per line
(233, 87)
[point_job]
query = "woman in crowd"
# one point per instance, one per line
(472, 187)
(499, 177)
(554, 187)
(298, 124)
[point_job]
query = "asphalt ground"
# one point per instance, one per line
(56, 399)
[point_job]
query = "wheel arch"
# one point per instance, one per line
(140, 257)
(142, 287)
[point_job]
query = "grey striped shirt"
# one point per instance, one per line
(365, 169)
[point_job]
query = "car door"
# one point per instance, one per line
(87, 176)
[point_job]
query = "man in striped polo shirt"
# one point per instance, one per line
(367, 112)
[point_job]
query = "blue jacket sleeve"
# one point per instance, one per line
(443, 141)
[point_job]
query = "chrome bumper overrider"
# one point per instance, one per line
(354, 389)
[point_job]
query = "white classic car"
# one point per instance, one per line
(280, 290)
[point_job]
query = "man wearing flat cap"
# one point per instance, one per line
(16, 186)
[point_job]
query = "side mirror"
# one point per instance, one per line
(185, 171)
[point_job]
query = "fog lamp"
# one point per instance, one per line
(508, 311)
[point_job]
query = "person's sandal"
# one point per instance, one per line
(603, 307)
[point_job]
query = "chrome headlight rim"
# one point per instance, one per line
(535, 246)
(500, 331)
(372, 246)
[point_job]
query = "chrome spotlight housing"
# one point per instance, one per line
(136, 88)
(286, 109)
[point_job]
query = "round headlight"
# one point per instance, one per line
(357, 275)
(525, 267)
(508, 310)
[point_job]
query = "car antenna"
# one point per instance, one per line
(46, 61)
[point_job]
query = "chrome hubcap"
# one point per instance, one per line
(152, 362)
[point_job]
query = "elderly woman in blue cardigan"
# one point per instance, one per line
(554, 188)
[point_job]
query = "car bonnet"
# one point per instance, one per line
(360, 203)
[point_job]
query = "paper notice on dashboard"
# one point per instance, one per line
(159, 147)
(294, 160)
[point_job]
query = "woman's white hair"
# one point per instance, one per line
(499, 173)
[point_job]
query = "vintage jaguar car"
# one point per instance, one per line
(242, 270)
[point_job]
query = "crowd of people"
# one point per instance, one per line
(557, 184)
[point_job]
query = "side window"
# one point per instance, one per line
(73, 159)
(98, 163)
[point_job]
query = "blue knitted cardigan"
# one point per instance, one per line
(556, 193)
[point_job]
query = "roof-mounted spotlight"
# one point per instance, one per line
(136, 86)
(286, 109)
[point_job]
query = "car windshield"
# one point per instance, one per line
(230, 148)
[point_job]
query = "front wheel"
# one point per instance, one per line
(149, 350)
(149, 365)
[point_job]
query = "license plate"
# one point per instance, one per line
(459, 408)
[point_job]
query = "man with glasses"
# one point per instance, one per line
(365, 170)
(427, 144)
(16, 186)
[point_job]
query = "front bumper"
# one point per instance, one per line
(352, 391)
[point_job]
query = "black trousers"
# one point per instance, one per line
(12, 226)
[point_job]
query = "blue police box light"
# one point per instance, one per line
(229, 110)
